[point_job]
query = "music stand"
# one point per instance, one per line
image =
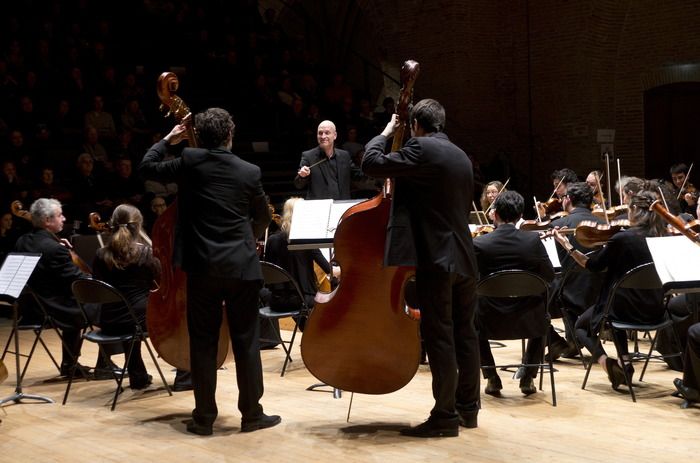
(14, 274)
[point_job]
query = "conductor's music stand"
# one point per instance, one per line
(14, 274)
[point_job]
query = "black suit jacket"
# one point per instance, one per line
(508, 248)
(580, 288)
(222, 209)
(433, 190)
(53, 275)
(317, 182)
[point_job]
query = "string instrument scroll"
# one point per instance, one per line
(166, 317)
(359, 337)
(689, 230)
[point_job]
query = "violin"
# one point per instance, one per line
(19, 211)
(690, 230)
(590, 234)
(611, 212)
(535, 225)
(482, 230)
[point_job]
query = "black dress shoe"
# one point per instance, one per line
(615, 373)
(265, 421)
(468, 419)
(493, 386)
(557, 349)
(198, 429)
(81, 371)
(183, 381)
(527, 385)
(431, 428)
(141, 383)
(690, 394)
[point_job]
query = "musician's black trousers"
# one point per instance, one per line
(691, 371)
(205, 295)
(447, 302)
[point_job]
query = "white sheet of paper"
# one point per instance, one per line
(15, 273)
(676, 258)
(551, 246)
(310, 219)
(338, 208)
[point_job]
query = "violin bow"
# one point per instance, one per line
(537, 209)
(478, 216)
(661, 192)
(605, 213)
(607, 170)
(555, 189)
(619, 181)
(680, 191)
(497, 195)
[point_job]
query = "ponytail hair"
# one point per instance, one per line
(124, 244)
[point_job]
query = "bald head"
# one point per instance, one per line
(326, 136)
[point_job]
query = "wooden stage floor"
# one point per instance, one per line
(597, 424)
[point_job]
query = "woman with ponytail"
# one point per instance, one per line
(127, 263)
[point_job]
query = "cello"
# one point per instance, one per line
(166, 317)
(359, 337)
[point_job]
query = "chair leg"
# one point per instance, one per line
(628, 377)
(155, 362)
(551, 370)
(588, 372)
(119, 379)
(48, 352)
(572, 330)
(646, 361)
(7, 345)
(37, 334)
(288, 358)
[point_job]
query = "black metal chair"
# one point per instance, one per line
(521, 284)
(275, 277)
(92, 291)
(641, 277)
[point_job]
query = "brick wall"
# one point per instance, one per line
(590, 62)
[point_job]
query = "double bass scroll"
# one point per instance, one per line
(166, 317)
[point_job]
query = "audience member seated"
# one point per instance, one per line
(509, 248)
(127, 263)
(124, 186)
(101, 120)
(47, 187)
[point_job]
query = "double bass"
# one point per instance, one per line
(166, 317)
(359, 337)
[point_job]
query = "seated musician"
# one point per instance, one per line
(53, 275)
(625, 251)
(561, 178)
(127, 263)
(685, 191)
(689, 386)
(629, 186)
(488, 194)
(300, 264)
(581, 288)
(593, 180)
(503, 249)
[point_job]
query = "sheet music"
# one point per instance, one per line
(338, 208)
(676, 258)
(551, 246)
(310, 219)
(15, 272)
(317, 219)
